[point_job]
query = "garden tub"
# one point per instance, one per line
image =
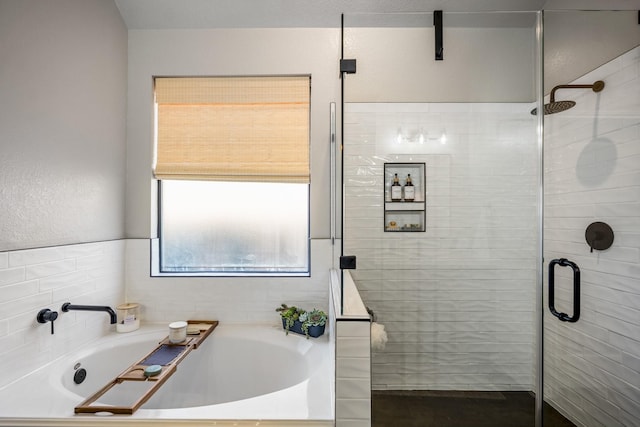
(240, 375)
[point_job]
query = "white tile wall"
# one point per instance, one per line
(235, 300)
(592, 172)
(458, 300)
(30, 280)
(353, 355)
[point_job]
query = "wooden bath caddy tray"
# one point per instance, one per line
(168, 355)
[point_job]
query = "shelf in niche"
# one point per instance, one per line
(404, 206)
(401, 215)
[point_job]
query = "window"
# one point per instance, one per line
(232, 158)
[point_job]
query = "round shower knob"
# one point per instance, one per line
(599, 236)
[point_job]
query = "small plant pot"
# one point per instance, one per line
(314, 331)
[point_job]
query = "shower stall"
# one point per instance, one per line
(509, 270)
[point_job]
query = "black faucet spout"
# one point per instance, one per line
(67, 306)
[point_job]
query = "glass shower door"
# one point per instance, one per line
(592, 219)
(449, 267)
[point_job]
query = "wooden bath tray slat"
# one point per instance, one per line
(135, 372)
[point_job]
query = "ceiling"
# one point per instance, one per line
(200, 14)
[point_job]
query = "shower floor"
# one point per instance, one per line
(459, 409)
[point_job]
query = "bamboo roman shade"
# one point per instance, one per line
(233, 128)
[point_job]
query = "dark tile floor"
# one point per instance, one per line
(459, 409)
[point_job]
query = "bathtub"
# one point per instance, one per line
(241, 375)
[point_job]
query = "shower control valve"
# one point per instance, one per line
(46, 315)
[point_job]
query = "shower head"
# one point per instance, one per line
(558, 106)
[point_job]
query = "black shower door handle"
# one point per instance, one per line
(576, 290)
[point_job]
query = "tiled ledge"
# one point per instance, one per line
(353, 354)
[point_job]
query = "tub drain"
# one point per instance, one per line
(79, 376)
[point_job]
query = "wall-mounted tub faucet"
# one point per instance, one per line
(67, 306)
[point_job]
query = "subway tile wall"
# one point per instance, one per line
(458, 300)
(351, 327)
(34, 279)
(592, 173)
(234, 300)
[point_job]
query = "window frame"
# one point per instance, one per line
(156, 243)
(156, 251)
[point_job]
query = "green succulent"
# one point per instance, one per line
(307, 319)
(316, 317)
(290, 314)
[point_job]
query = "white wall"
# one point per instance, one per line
(458, 300)
(592, 173)
(62, 166)
(577, 42)
(62, 122)
(227, 52)
(480, 64)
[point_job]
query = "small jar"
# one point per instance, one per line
(177, 332)
(128, 317)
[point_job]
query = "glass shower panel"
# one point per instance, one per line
(592, 218)
(452, 275)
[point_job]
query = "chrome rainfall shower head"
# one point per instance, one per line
(558, 106)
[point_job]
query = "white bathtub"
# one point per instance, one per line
(239, 376)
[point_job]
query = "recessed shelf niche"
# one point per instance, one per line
(401, 212)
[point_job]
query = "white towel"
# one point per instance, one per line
(378, 336)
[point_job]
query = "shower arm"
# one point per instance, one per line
(596, 87)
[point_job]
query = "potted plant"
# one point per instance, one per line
(313, 322)
(308, 323)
